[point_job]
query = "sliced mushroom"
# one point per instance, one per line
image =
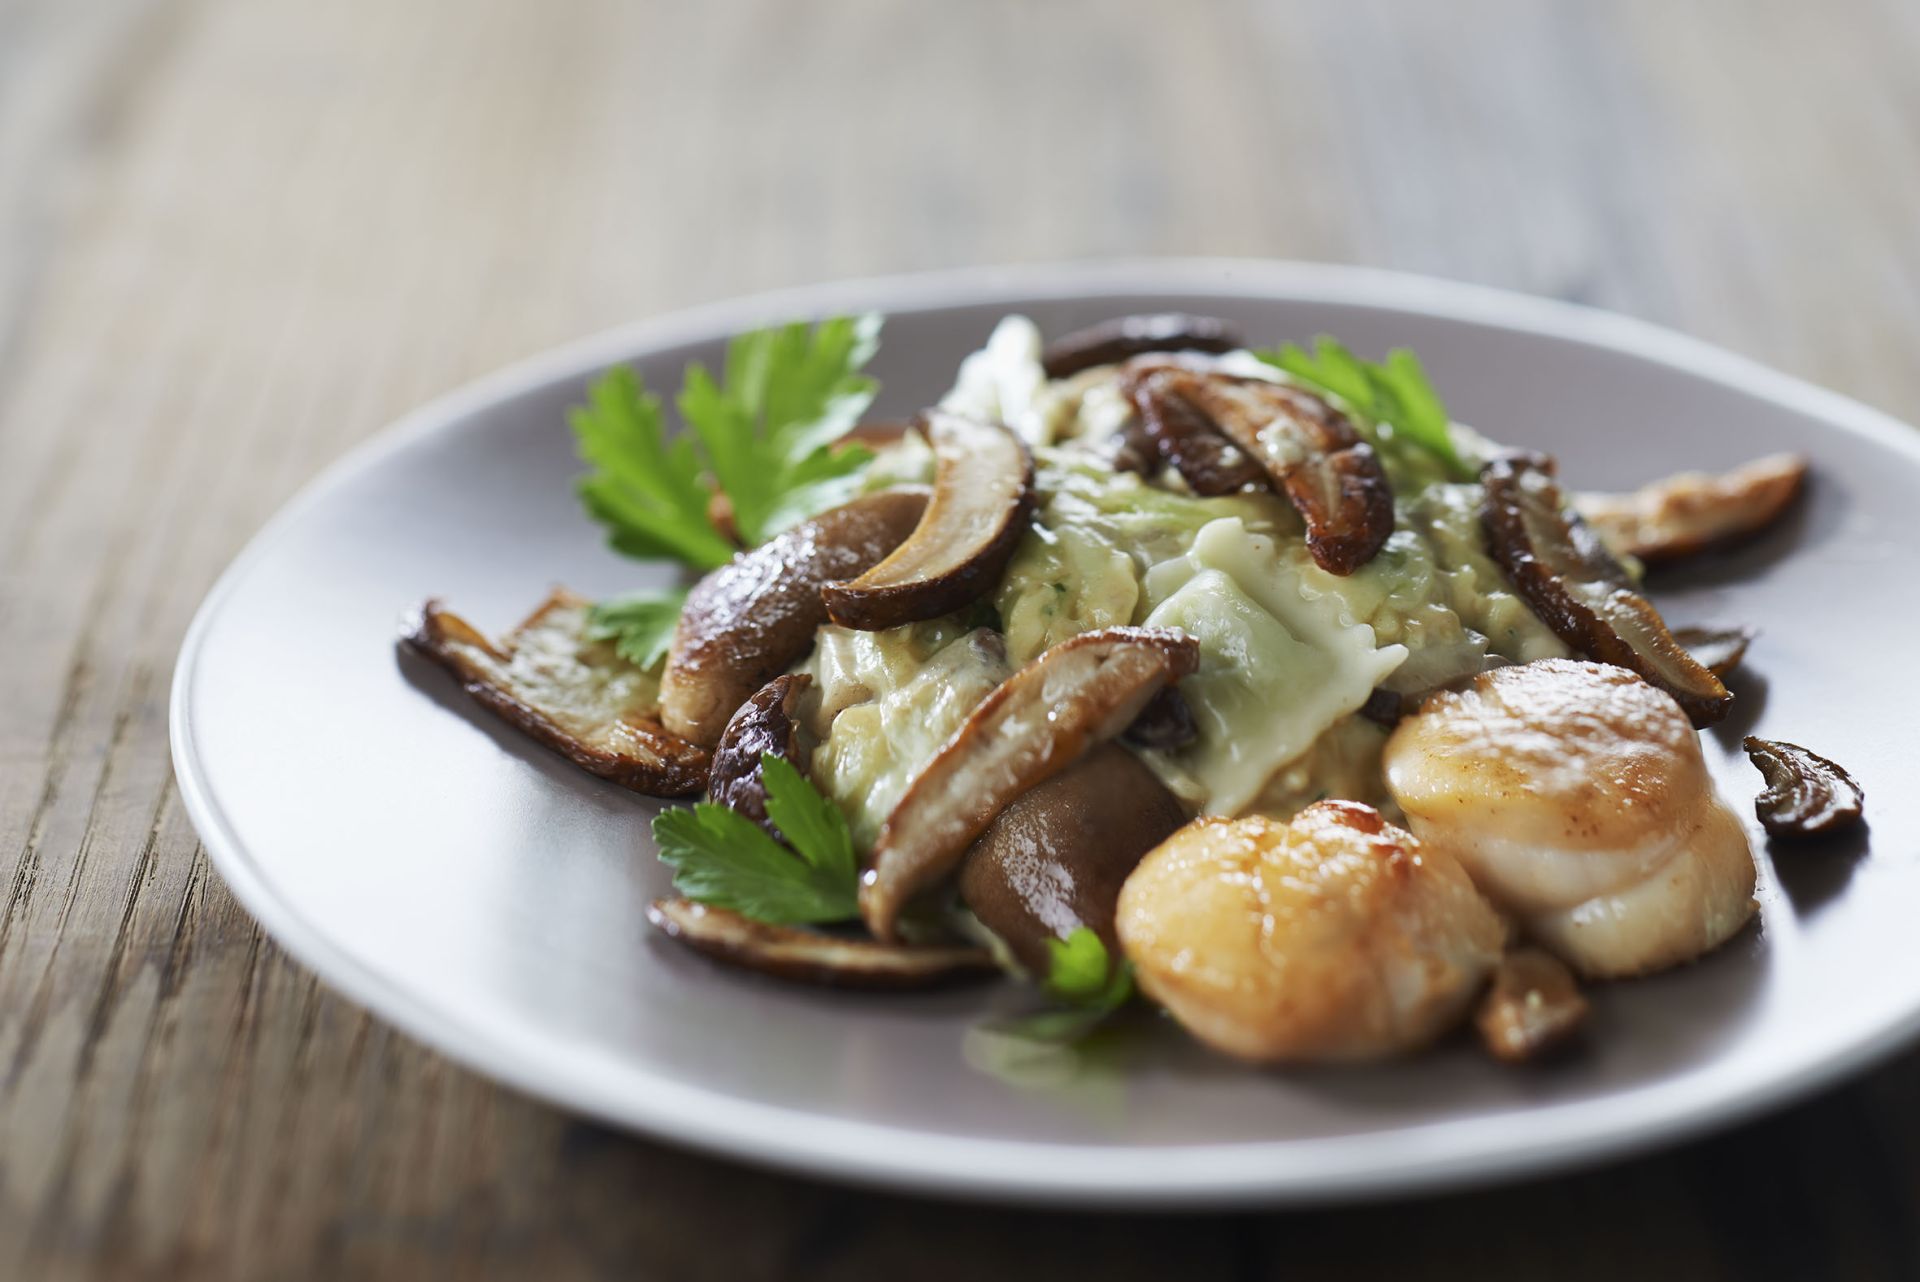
(764, 724)
(1719, 650)
(1806, 795)
(1694, 511)
(573, 695)
(1038, 722)
(749, 620)
(1184, 437)
(982, 501)
(1533, 1006)
(1054, 860)
(811, 957)
(1558, 565)
(1309, 451)
(1133, 449)
(1116, 340)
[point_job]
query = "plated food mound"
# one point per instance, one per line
(1148, 667)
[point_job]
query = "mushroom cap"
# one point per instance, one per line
(1034, 725)
(1054, 860)
(982, 503)
(749, 620)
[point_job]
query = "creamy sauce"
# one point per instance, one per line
(1289, 651)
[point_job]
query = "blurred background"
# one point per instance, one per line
(238, 236)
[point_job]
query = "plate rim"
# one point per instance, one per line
(1278, 1172)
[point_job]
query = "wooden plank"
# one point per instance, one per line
(236, 236)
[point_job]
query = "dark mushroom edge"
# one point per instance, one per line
(1116, 340)
(982, 502)
(1560, 568)
(584, 720)
(765, 724)
(751, 619)
(1034, 725)
(804, 956)
(1054, 858)
(1806, 795)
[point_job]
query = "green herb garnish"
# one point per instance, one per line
(722, 858)
(1080, 973)
(1085, 983)
(1396, 393)
(768, 434)
(640, 624)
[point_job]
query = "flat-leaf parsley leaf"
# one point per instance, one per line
(768, 436)
(1396, 393)
(640, 624)
(722, 858)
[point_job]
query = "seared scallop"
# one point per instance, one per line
(1335, 936)
(1576, 796)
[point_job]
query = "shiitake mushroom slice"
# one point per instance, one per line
(1806, 795)
(573, 695)
(814, 957)
(1693, 511)
(1116, 340)
(1719, 650)
(1310, 452)
(1533, 1007)
(749, 620)
(1035, 724)
(1184, 437)
(1558, 565)
(764, 724)
(982, 502)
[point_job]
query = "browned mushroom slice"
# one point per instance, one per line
(1806, 795)
(1308, 449)
(982, 499)
(1719, 650)
(1184, 437)
(764, 724)
(1532, 1007)
(747, 621)
(1116, 340)
(576, 696)
(1133, 449)
(1558, 565)
(810, 957)
(1693, 511)
(1055, 858)
(1035, 724)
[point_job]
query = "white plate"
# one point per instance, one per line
(485, 896)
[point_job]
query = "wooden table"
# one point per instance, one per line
(237, 236)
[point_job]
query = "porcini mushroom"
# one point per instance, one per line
(1185, 438)
(749, 620)
(1806, 795)
(1693, 511)
(982, 500)
(1116, 340)
(810, 956)
(576, 696)
(765, 724)
(1038, 722)
(1560, 568)
(1309, 450)
(1055, 858)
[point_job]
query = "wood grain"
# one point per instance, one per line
(237, 236)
